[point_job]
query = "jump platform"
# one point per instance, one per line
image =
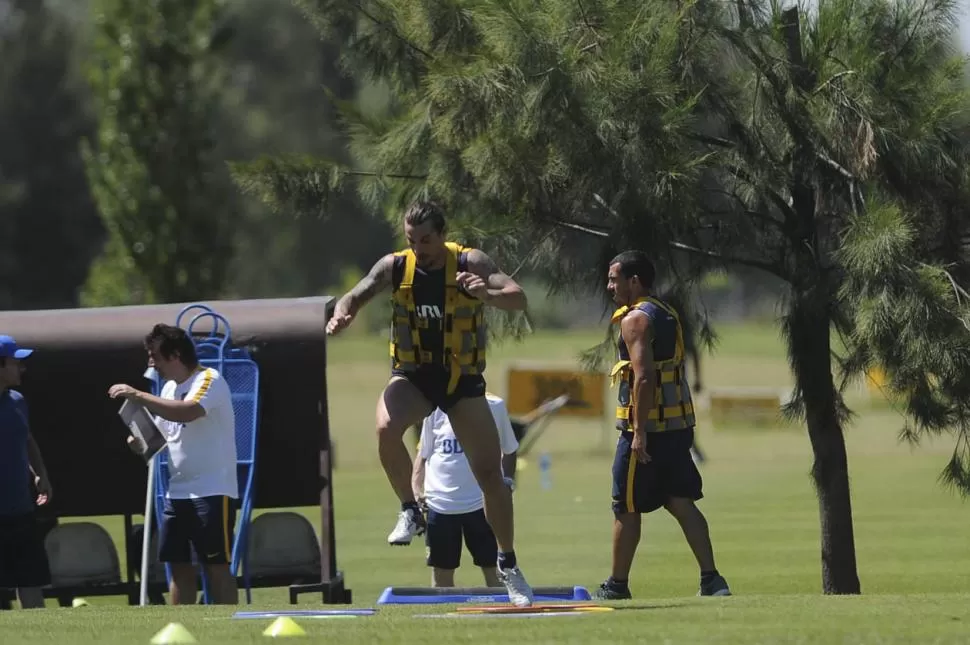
(452, 595)
(304, 613)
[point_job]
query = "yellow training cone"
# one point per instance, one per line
(79, 602)
(172, 633)
(284, 626)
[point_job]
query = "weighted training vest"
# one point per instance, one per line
(673, 408)
(463, 323)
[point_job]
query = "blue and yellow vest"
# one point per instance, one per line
(673, 407)
(461, 319)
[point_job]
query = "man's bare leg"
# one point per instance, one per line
(400, 406)
(491, 577)
(222, 584)
(474, 427)
(31, 597)
(694, 525)
(184, 584)
(442, 577)
(626, 538)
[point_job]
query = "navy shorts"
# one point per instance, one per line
(433, 384)
(204, 524)
(671, 472)
(444, 539)
(23, 558)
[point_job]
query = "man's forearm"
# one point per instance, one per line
(177, 411)
(508, 299)
(347, 305)
(508, 465)
(417, 479)
(35, 459)
(643, 395)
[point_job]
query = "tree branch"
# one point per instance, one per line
(779, 202)
(579, 227)
(391, 30)
(764, 266)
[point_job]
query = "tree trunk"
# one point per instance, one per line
(811, 358)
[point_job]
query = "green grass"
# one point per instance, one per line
(911, 535)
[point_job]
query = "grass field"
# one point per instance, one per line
(911, 536)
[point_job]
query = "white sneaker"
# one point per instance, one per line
(520, 593)
(410, 524)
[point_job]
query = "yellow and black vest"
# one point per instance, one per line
(673, 407)
(434, 322)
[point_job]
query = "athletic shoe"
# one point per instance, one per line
(410, 523)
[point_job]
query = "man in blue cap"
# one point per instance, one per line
(23, 559)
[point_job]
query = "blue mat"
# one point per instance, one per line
(452, 595)
(306, 613)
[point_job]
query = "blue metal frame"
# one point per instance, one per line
(212, 352)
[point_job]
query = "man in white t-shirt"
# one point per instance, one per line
(443, 481)
(195, 414)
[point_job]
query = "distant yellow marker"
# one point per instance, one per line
(284, 626)
(173, 633)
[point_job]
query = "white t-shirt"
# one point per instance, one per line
(202, 453)
(449, 485)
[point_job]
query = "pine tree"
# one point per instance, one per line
(160, 189)
(827, 148)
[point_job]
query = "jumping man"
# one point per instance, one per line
(438, 338)
(655, 415)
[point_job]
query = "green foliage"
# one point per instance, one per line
(827, 148)
(154, 173)
(113, 280)
(47, 218)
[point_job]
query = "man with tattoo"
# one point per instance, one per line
(438, 340)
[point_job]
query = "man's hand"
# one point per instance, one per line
(639, 447)
(337, 323)
(474, 284)
(123, 391)
(136, 445)
(44, 492)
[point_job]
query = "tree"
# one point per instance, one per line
(162, 192)
(47, 215)
(826, 148)
(280, 68)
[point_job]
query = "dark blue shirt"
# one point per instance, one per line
(15, 493)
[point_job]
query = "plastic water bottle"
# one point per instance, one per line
(545, 471)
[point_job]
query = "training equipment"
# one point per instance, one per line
(539, 418)
(282, 627)
(171, 634)
(535, 611)
(304, 613)
(747, 407)
(551, 609)
(451, 595)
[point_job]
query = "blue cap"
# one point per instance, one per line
(9, 349)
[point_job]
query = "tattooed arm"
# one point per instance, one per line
(485, 281)
(369, 286)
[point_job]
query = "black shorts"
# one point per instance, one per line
(433, 384)
(444, 539)
(204, 524)
(671, 472)
(23, 558)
